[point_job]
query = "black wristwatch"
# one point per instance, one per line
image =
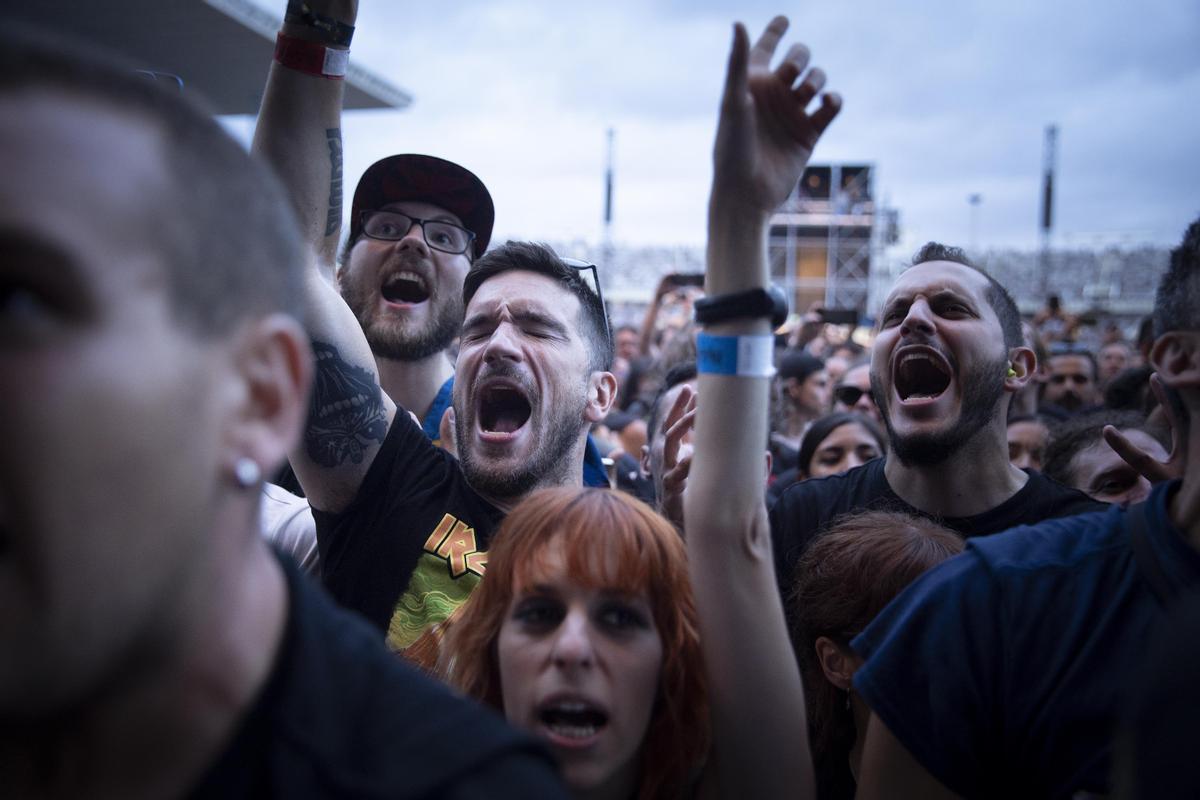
(769, 303)
(334, 31)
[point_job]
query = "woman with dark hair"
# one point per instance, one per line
(584, 632)
(834, 443)
(844, 579)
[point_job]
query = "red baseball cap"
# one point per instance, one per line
(426, 179)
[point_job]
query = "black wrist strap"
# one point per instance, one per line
(769, 303)
(334, 31)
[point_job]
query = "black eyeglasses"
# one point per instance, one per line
(849, 395)
(392, 226)
(584, 267)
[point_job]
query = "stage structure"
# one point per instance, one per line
(824, 238)
(219, 49)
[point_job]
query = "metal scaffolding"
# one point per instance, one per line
(824, 237)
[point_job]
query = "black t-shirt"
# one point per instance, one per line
(809, 507)
(413, 544)
(340, 716)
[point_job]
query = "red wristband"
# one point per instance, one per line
(312, 58)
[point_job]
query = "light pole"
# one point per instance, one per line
(973, 224)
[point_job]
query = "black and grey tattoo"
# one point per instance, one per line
(333, 222)
(346, 412)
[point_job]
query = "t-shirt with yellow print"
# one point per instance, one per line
(413, 545)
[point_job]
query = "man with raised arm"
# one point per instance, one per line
(151, 644)
(402, 528)
(948, 357)
(1003, 671)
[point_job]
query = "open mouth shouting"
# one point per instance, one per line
(920, 375)
(571, 722)
(503, 409)
(405, 288)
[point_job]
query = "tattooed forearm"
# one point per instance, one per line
(333, 222)
(346, 412)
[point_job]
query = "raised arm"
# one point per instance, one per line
(764, 139)
(299, 134)
(650, 321)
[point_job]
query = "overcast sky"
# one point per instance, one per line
(945, 98)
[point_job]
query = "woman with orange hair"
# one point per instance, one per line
(584, 632)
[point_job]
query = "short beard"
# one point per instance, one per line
(982, 392)
(1069, 402)
(391, 339)
(550, 464)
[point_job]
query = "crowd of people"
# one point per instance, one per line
(403, 515)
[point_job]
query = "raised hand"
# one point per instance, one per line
(1145, 464)
(766, 134)
(677, 455)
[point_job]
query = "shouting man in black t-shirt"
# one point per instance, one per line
(402, 527)
(948, 358)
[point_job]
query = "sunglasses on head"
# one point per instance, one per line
(583, 268)
(849, 395)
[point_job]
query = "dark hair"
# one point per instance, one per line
(995, 294)
(682, 372)
(843, 580)
(1080, 352)
(1177, 304)
(541, 258)
(1129, 390)
(1076, 434)
(820, 429)
(799, 365)
(229, 237)
(1145, 334)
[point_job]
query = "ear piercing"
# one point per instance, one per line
(246, 472)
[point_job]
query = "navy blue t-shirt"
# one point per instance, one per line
(432, 423)
(1002, 670)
